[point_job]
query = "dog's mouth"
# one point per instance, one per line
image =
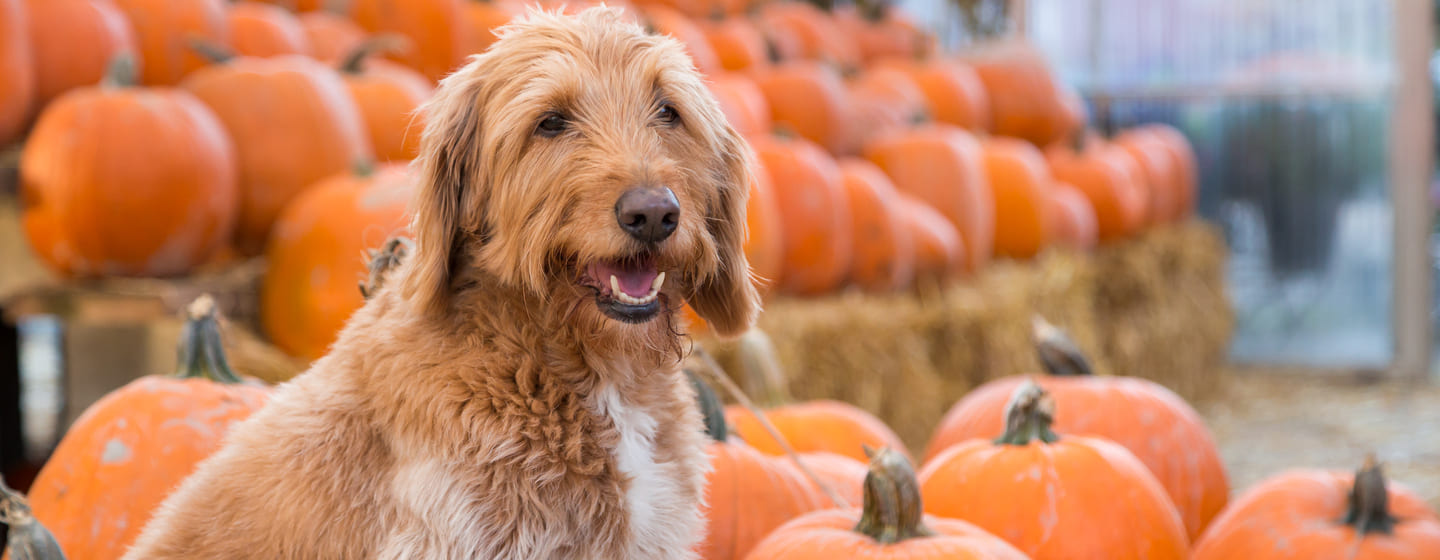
(627, 289)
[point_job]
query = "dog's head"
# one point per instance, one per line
(582, 158)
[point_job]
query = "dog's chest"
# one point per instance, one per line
(660, 509)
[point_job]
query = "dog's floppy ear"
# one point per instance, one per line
(728, 299)
(448, 191)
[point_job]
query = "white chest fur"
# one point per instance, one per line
(659, 511)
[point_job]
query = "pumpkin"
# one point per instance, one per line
(73, 41)
(435, 29)
(27, 539)
(387, 95)
(1026, 101)
(315, 255)
(125, 454)
(884, 249)
(1324, 515)
(264, 30)
(331, 36)
(700, 9)
(815, 229)
(886, 100)
(17, 70)
(944, 166)
(1156, 176)
(482, 18)
(97, 202)
(1184, 166)
(819, 38)
(939, 252)
(165, 30)
(1074, 218)
(891, 525)
(741, 101)
(1107, 177)
(844, 475)
(810, 100)
(737, 43)
(308, 6)
(293, 123)
(764, 245)
(882, 32)
(1149, 420)
(1023, 203)
(952, 90)
(1054, 497)
(667, 21)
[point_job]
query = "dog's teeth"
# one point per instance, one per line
(659, 281)
(615, 286)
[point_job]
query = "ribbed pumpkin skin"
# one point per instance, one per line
(264, 30)
(810, 426)
(164, 29)
(953, 91)
(939, 252)
(330, 36)
(127, 452)
(1147, 419)
(1295, 516)
(741, 101)
(1079, 497)
(436, 30)
(293, 122)
(73, 42)
(1157, 173)
(1106, 175)
(943, 166)
(815, 214)
(810, 100)
(388, 95)
(830, 535)
(747, 495)
(884, 247)
(1074, 217)
(316, 256)
(127, 182)
(737, 43)
(1185, 168)
(846, 476)
(17, 70)
(1021, 182)
(667, 21)
(764, 248)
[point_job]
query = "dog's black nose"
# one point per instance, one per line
(648, 214)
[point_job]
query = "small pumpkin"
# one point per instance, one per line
(810, 100)
(125, 454)
(1021, 182)
(27, 539)
(97, 202)
(882, 31)
(316, 254)
(886, 100)
(1107, 177)
(164, 31)
(1184, 166)
(953, 91)
(17, 70)
(738, 44)
(890, 525)
(73, 42)
(482, 18)
(1156, 176)
(435, 29)
(815, 229)
(939, 252)
(1074, 218)
(1164, 432)
(1052, 496)
(1026, 100)
(741, 101)
(331, 36)
(388, 96)
(264, 30)
(884, 247)
(1324, 515)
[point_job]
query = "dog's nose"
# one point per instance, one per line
(648, 214)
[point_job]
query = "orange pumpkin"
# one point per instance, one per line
(1023, 203)
(1184, 166)
(843, 475)
(17, 70)
(316, 253)
(1026, 101)
(742, 102)
(891, 525)
(263, 30)
(819, 38)
(293, 123)
(73, 42)
(953, 91)
(482, 18)
(1106, 175)
(435, 28)
(1090, 499)
(810, 193)
(822, 425)
(1324, 515)
(164, 31)
(737, 43)
(1156, 176)
(97, 202)
(884, 249)
(331, 36)
(130, 449)
(765, 244)
(309, 6)
(944, 166)
(810, 100)
(1147, 419)
(387, 95)
(939, 252)
(667, 21)
(1074, 218)
(700, 9)
(886, 34)
(886, 100)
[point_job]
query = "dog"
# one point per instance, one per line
(513, 391)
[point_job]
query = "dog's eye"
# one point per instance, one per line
(668, 114)
(551, 125)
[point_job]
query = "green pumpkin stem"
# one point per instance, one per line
(1028, 416)
(27, 538)
(382, 261)
(1058, 354)
(211, 51)
(1369, 508)
(354, 62)
(711, 411)
(202, 356)
(121, 72)
(893, 511)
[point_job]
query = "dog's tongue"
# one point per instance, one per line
(634, 278)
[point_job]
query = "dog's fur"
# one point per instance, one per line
(482, 405)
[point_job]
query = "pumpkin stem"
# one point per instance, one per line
(354, 62)
(121, 72)
(893, 511)
(760, 369)
(27, 538)
(382, 261)
(1369, 509)
(202, 355)
(1028, 416)
(711, 411)
(211, 51)
(1058, 354)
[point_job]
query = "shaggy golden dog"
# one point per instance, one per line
(513, 391)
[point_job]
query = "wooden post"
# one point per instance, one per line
(1412, 166)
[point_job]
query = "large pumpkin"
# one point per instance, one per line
(815, 229)
(939, 252)
(331, 36)
(1324, 515)
(884, 243)
(1023, 203)
(953, 92)
(293, 122)
(741, 101)
(891, 525)
(1149, 420)
(1026, 101)
(263, 30)
(125, 454)
(435, 29)
(944, 166)
(387, 95)
(73, 42)
(810, 100)
(1107, 177)
(1054, 496)
(165, 30)
(17, 70)
(127, 181)
(316, 253)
